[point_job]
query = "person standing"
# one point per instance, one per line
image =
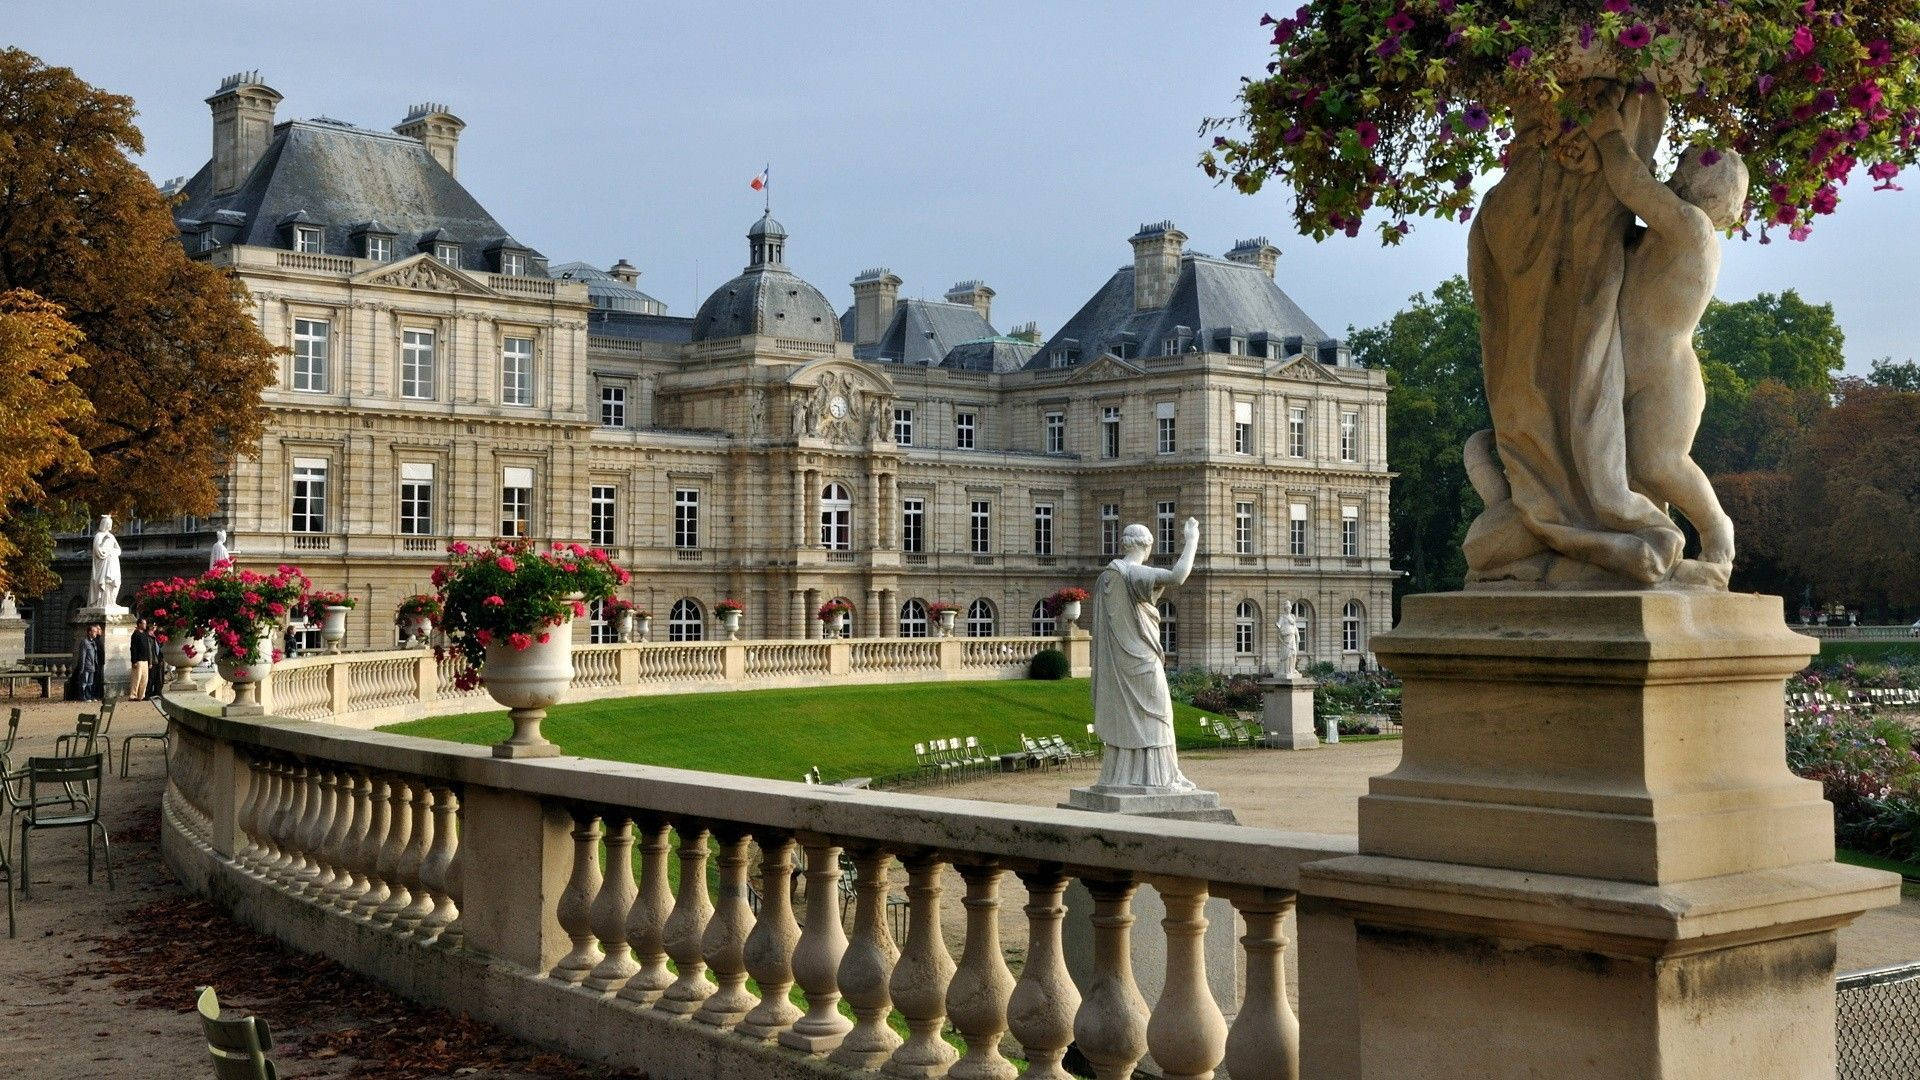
(89, 665)
(143, 651)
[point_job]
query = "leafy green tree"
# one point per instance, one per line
(1773, 336)
(1431, 354)
(1856, 501)
(1904, 375)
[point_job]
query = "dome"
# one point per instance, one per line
(767, 298)
(606, 292)
(767, 226)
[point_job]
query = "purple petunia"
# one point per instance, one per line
(1617, 7)
(1399, 22)
(1879, 53)
(1865, 97)
(1476, 117)
(1389, 47)
(1519, 57)
(1586, 35)
(1636, 36)
(1368, 133)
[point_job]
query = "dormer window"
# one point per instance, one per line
(513, 263)
(306, 238)
(376, 247)
(448, 254)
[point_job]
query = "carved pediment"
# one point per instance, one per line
(1104, 367)
(1300, 366)
(842, 402)
(425, 272)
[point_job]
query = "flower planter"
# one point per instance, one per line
(418, 631)
(730, 622)
(627, 624)
(182, 654)
(1070, 614)
(527, 681)
(333, 627)
(946, 622)
(245, 676)
(644, 628)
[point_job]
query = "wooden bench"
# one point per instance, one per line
(14, 676)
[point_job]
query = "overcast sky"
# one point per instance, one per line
(1018, 143)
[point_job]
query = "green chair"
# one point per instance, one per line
(13, 736)
(126, 744)
(75, 806)
(89, 730)
(238, 1045)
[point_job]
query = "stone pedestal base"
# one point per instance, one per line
(13, 641)
(1195, 805)
(118, 670)
(1286, 713)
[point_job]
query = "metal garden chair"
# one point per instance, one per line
(76, 805)
(89, 729)
(126, 744)
(13, 736)
(238, 1045)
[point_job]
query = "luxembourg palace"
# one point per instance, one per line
(443, 380)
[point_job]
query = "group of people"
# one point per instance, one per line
(87, 680)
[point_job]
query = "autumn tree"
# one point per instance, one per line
(173, 363)
(40, 404)
(1856, 500)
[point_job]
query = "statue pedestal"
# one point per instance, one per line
(1286, 712)
(13, 640)
(117, 671)
(1195, 805)
(1593, 844)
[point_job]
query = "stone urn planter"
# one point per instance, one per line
(946, 622)
(245, 676)
(528, 681)
(1070, 614)
(333, 627)
(182, 654)
(628, 624)
(730, 622)
(419, 630)
(643, 628)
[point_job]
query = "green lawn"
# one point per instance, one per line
(847, 731)
(1876, 651)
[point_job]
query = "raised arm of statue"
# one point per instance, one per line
(1632, 181)
(1184, 566)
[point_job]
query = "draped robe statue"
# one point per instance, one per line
(1132, 708)
(103, 587)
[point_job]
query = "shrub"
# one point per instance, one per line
(1048, 664)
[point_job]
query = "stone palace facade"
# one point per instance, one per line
(442, 380)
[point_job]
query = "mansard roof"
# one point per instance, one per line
(342, 177)
(1211, 294)
(925, 332)
(991, 354)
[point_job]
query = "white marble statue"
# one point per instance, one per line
(103, 587)
(220, 552)
(1289, 627)
(7, 608)
(1132, 709)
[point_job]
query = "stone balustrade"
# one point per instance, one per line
(538, 894)
(369, 689)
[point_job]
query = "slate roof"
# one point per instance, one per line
(925, 331)
(342, 177)
(1211, 294)
(627, 326)
(607, 292)
(991, 354)
(767, 298)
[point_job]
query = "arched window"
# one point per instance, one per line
(1303, 611)
(1351, 618)
(1043, 624)
(913, 619)
(1169, 631)
(980, 618)
(1246, 620)
(600, 630)
(685, 621)
(836, 518)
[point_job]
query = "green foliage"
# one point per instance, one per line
(1904, 375)
(1774, 336)
(1436, 399)
(1049, 664)
(1345, 693)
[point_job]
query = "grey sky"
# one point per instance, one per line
(1019, 143)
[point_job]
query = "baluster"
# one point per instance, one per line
(1265, 1037)
(251, 851)
(413, 863)
(868, 965)
(339, 818)
(393, 852)
(455, 933)
(352, 880)
(613, 905)
(575, 908)
(775, 935)
(646, 925)
(1040, 1010)
(311, 831)
(977, 996)
(688, 924)
(436, 871)
(1187, 1035)
(920, 978)
(1111, 1027)
(286, 826)
(379, 821)
(816, 960)
(725, 941)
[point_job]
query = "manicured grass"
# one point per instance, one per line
(1861, 858)
(847, 731)
(1876, 651)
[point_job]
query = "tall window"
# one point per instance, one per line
(1297, 431)
(513, 263)
(380, 248)
(1303, 613)
(516, 371)
(306, 239)
(1349, 436)
(1043, 529)
(903, 427)
(980, 618)
(685, 621)
(1297, 530)
(836, 518)
(1163, 518)
(613, 406)
(1350, 619)
(1043, 623)
(1243, 427)
(686, 518)
(416, 364)
(1169, 628)
(416, 498)
(1110, 431)
(309, 495)
(1243, 528)
(1350, 531)
(1163, 417)
(913, 526)
(1109, 529)
(600, 509)
(913, 619)
(963, 430)
(447, 254)
(1056, 425)
(311, 338)
(600, 630)
(1246, 616)
(516, 502)
(980, 527)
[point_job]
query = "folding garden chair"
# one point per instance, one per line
(238, 1045)
(89, 729)
(75, 806)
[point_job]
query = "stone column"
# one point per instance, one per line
(1286, 713)
(1594, 844)
(796, 613)
(889, 621)
(799, 508)
(812, 605)
(889, 498)
(874, 616)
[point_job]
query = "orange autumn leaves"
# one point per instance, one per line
(39, 402)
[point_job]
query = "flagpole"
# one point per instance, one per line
(766, 188)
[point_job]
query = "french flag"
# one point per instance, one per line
(760, 182)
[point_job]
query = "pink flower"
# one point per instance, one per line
(1368, 132)
(494, 601)
(1399, 22)
(1636, 36)
(1825, 199)
(624, 577)
(520, 642)
(545, 637)
(484, 637)
(507, 564)
(570, 568)
(1865, 97)
(1617, 7)
(1803, 41)
(1879, 53)
(459, 547)
(579, 610)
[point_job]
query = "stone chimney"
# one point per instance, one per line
(242, 127)
(436, 126)
(625, 273)
(975, 294)
(1156, 264)
(875, 293)
(1256, 252)
(1028, 332)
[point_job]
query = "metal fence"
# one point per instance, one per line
(1879, 1024)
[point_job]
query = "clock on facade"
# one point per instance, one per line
(838, 407)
